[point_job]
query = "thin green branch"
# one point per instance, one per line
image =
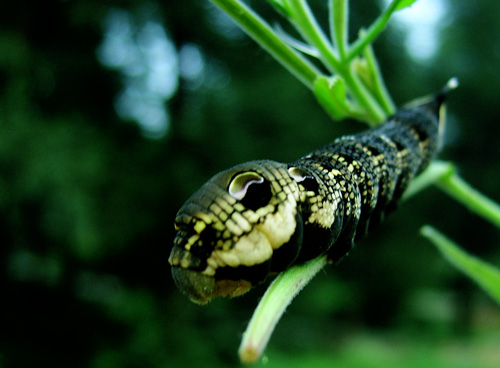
(310, 30)
(475, 201)
(339, 28)
(436, 171)
(484, 274)
(444, 175)
(363, 96)
(373, 31)
(264, 35)
(272, 306)
(379, 88)
(304, 21)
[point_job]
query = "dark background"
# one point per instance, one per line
(87, 199)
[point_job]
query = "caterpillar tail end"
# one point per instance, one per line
(452, 84)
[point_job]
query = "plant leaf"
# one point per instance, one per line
(404, 4)
(484, 274)
(281, 7)
(331, 94)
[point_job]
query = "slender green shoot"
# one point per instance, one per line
(267, 38)
(461, 191)
(339, 26)
(306, 24)
(444, 176)
(377, 27)
(272, 305)
(435, 172)
(376, 81)
(484, 274)
(302, 18)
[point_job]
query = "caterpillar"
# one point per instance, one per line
(262, 217)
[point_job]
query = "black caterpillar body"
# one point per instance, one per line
(262, 217)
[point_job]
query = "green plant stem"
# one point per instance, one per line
(306, 24)
(363, 96)
(444, 175)
(476, 202)
(372, 32)
(436, 171)
(272, 306)
(486, 275)
(379, 88)
(339, 19)
(264, 35)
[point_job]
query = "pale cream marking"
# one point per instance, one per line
(239, 207)
(199, 226)
(280, 226)
(249, 250)
(219, 226)
(241, 221)
(192, 239)
(264, 211)
(325, 216)
(251, 216)
(233, 227)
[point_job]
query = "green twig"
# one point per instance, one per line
(435, 172)
(339, 25)
(373, 31)
(264, 35)
(444, 175)
(305, 23)
(272, 305)
(476, 202)
(379, 89)
(486, 275)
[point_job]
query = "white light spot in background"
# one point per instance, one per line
(191, 65)
(422, 22)
(148, 62)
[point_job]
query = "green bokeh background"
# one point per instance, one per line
(87, 202)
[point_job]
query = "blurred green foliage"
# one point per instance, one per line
(87, 202)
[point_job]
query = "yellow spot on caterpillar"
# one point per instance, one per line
(193, 239)
(205, 217)
(282, 196)
(263, 211)
(186, 261)
(219, 226)
(223, 216)
(241, 221)
(233, 227)
(224, 205)
(239, 207)
(276, 186)
(199, 226)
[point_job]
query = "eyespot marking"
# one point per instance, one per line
(304, 178)
(239, 185)
(297, 174)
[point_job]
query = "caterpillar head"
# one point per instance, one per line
(229, 230)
